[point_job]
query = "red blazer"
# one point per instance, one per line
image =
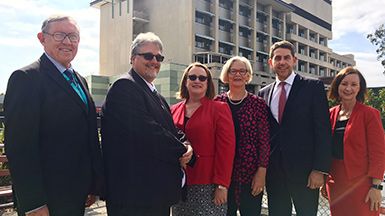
(211, 133)
(364, 142)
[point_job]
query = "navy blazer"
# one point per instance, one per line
(51, 138)
(304, 136)
(141, 146)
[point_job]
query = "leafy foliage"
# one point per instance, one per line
(378, 39)
(377, 100)
(2, 134)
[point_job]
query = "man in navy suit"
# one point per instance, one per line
(301, 136)
(142, 149)
(51, 138)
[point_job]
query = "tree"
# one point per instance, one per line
(377, 100)
(378, 39)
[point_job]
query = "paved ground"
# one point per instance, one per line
(97, 209)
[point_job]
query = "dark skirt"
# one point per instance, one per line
(199, 201)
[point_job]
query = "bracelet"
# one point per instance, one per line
(221, 187)
(378, 187)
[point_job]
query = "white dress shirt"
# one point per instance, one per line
(277, 92)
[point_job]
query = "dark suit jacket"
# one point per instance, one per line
(304, 137)
(50, 138)
(140, 146)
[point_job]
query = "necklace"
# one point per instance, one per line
(345, 113)
(236, 103)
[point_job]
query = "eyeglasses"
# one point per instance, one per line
(60, 36)
(150, 56)
(201, 78)
(235, 71)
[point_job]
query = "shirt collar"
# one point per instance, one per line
(59, 66)
(289, 80)
(150, 85)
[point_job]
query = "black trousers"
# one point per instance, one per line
(74, 207)
(282, 192)
(115, 210)
(249, 205)
(61, 210)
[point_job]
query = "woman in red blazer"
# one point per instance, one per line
(209, 127)
(358, 149)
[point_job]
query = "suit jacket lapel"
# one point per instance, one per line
(270, 93)
(290, 102)
(84, 86)
(167, 118)
(145, 87)
(51, 71)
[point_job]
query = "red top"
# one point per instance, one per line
(211, 133)
(364, 142)
(253, 149)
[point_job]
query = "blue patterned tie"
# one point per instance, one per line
(75, 85)
(70, 76)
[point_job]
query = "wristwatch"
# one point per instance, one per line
(222, 187)
(378, 187)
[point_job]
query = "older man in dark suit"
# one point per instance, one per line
(51, 137)
(143, 151)
(301, 136)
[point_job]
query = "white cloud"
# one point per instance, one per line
(371, 69)
(357, 16)
(21, 21)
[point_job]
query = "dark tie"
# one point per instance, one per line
(158, 97)
(282, 101)
(70, 76)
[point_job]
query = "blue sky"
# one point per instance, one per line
(21, 21)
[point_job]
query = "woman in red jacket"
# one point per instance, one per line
(252, 139)
(209, 127)
(354, 185)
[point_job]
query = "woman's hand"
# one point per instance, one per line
(374, 195)
(258, 182)
(220, 195)
(186, 157)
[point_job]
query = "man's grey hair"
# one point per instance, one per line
(143, 38)
(55, 18)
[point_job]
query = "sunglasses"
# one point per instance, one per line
(150, 56)
(193, 77)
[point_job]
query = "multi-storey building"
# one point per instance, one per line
(211, 31)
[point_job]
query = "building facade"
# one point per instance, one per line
(211, 31)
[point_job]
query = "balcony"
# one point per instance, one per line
(244, 41)
(262, 27)
(243, 20)
(225, 36)
(277, 33)
(202, 5)
(202, 29)
(225, 13)
(262, 47)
